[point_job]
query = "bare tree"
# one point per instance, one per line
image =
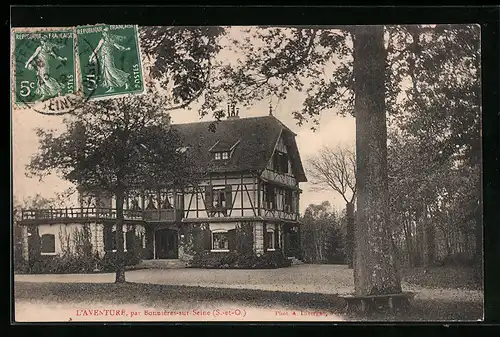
(335, 168)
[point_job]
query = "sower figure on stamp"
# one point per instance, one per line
(111, 76)
(48, 86)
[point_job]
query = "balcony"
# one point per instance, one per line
(93, 213)
(159, 215)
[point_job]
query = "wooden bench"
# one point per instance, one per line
(394, 302)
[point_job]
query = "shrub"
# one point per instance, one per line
(78, 264)
(236, 260)
(457, 259)
(21, 265)
(64, 264)
(144, 253)
(108, 262)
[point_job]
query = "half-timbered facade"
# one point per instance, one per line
(248, 198)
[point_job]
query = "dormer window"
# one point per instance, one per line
(221, 155)
(223, 149)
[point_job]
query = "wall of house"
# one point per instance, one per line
(243, 197)
(65, 236)
(196, 238)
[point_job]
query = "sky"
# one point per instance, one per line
(333, 130)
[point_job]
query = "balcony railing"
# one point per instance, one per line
(79, 213)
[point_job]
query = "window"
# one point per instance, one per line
(130, 238)
(289, 201)
(270, 240)
(135, 205)
(280, 162)
(218, 196)
(48, 244)
(220, 241)
(270, 197)
(221, 155)
(110, 238)
(151, 203)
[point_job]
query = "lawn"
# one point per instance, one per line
(154, 295)
(441, 277)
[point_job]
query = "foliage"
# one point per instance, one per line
(321, 235)
(457, 259)
(120, 143)
(182, 60)
(76, 256)
(115, 147)
(237, 260)
(108, 262)
(448, 277)
(74, 263)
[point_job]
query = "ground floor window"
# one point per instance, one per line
(270, 238)
(110, 239)
(220, 241)
(48, 244)
(129, 239)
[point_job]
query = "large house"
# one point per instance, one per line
(247, 200)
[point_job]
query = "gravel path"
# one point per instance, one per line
(322, 279)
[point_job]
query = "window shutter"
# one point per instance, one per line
(284, 158)
(207, 239)
(264, 236)
(208, 197)
(130, 239)
(276, 237)
(232, 239)
(108, 238)
(275, 161)
(229, 196)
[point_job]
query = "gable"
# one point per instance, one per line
(286, 153)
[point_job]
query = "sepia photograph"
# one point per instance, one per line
(247, 173)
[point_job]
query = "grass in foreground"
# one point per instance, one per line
(162, 295)
(442, 277)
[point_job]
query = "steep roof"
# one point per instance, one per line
(252, 141)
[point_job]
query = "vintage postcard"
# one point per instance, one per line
(247, 174)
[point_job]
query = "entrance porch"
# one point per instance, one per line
(162, 241)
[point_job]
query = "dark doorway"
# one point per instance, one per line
(291, 241)
(166, 244)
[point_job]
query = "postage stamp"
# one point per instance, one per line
(110, 60)
(44, 65)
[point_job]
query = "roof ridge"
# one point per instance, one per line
(228, 120)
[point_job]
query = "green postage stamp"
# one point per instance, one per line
(109, 60)
(44, 64)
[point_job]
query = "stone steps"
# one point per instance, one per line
(295, 260)
(163, 264)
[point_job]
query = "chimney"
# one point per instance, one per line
(232, 111)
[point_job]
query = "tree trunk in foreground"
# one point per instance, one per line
(120, 254)
(350, 234)
(375, 267)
